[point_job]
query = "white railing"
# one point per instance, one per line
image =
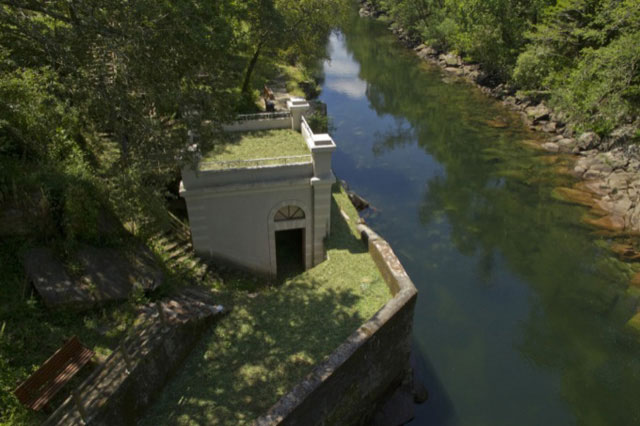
(258, 162)
(306, 132)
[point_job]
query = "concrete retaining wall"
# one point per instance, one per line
(120, 390)
(372, 362)
(262, 124)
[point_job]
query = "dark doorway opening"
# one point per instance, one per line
(289, 252)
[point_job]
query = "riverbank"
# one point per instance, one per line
(609, 168)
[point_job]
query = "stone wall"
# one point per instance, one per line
(269, 123)
(348, 387)
(121, 389)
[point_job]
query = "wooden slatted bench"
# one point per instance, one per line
(41, 386)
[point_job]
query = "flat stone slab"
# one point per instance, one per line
(51, 280)
(112, 275)
(107, 274)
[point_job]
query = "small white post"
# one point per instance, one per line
(297, 107)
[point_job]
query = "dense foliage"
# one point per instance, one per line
(98, 98)
(581, 55)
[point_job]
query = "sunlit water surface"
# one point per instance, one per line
(521, 312)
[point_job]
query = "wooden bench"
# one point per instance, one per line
(41, 386)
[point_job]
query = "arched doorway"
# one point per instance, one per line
(290, 238)
(289, 243)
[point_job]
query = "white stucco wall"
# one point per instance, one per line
(235, 224)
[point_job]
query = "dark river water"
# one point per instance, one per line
(522, 310)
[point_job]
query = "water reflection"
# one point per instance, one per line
(521, 311)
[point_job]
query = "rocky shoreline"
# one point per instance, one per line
(609, 168)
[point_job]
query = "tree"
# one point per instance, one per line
(299, 28)
(139, 74)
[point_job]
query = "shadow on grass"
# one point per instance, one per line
(257, 354)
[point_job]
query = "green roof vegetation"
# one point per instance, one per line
(273, 338)
(238, 148)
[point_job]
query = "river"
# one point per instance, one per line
(522, 309)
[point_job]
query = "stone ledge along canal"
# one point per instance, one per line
(522, 312)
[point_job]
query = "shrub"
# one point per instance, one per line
(603, 91)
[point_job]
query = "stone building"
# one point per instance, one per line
(259, 212)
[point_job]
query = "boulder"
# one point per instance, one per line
(537, 113)
(450, 60)
(500, 91)
(358, 202)
(588, 140)
(453, 70)
(566, 144)
(621, 206)
(621, 136)
(549, 127)
(609, 223)
(620, 180)
(574, 196)
(551, 146)
(510, 101)
(426, 51)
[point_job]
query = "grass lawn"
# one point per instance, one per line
(273, 338)
(255, 145)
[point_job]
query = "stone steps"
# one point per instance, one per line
(180, 253)
(125, 384)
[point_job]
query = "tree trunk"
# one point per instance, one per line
(246, 85)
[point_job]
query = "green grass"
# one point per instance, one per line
(295, 76)
(272, 339)
(255, 145)
(242, 365)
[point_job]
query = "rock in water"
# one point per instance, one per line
(358, 202)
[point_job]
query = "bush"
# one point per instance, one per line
(318, 122)
(603, 91)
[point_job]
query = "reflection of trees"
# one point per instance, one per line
(400, 135)
(495, 195)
